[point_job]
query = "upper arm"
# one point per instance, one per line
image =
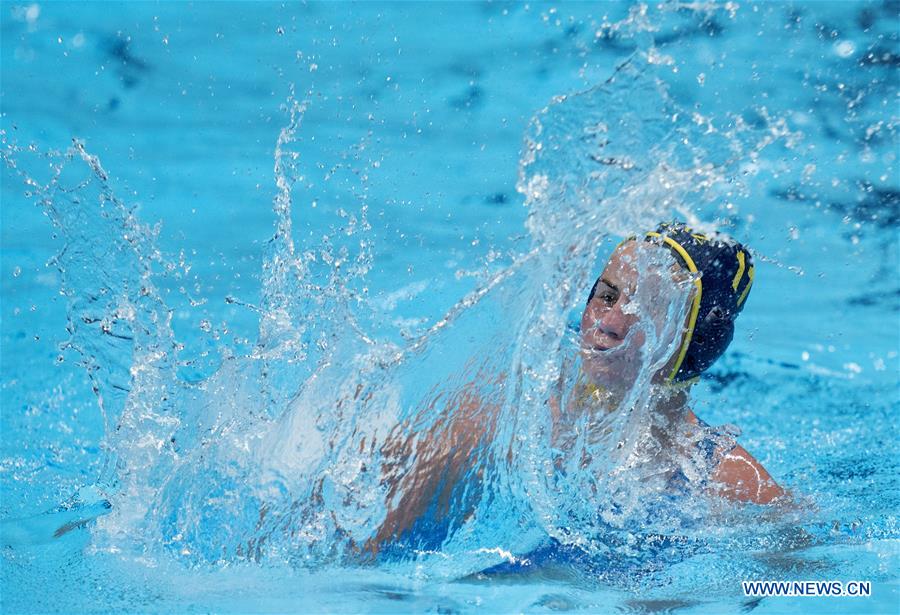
(742, 478)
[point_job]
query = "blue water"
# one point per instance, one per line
(240, 242)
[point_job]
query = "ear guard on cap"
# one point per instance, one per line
(726, 273)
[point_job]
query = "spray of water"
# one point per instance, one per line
(326, 444)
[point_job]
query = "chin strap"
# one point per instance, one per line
(585, 390)
(683, 384)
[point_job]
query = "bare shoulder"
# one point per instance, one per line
(740, 477)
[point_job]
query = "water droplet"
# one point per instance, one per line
(32, 13)
(844, 49)
(853, 367)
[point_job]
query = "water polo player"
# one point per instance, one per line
(721, 272)
(714, 274)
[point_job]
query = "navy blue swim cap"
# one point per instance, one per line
(726, 274)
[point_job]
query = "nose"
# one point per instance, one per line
(614, 322)
(611, 321)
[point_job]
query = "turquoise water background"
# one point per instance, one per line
(417, 111)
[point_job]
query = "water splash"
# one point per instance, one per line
(325, 443)
(119, 326)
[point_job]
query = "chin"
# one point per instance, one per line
(607, 374)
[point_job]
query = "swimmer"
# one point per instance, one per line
(722, 272)
(719, 273)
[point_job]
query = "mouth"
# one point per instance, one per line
(599, 342)
(596, 347)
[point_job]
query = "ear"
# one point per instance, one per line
(716, 314)
(709, 341)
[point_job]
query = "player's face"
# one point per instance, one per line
(610, 356)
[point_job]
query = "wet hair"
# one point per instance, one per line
(726, 274)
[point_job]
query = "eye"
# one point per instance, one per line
(607, 295)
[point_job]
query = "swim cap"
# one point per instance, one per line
(726, 274)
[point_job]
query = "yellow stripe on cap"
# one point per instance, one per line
(740, 271)
(747, 287)
(695, 306)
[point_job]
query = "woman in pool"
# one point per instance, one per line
(612, 335)
(722, 272)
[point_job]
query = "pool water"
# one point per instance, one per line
(242, 242)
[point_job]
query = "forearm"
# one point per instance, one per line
(425, 468)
